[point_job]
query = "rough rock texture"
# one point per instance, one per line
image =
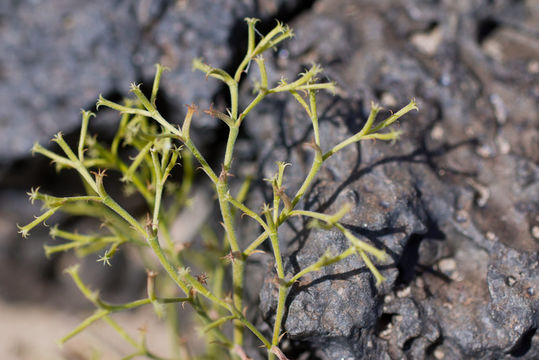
(56, 57)
(454, 203)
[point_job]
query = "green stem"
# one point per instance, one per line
(232, 136)
(252, 247)
(323, 261)
(83, 130)
(123, 333)
(171, 271)
(250, 47)
(98, 314)
(283, 289)
(159, 181)
(248, 212)
(315, 167)
(113, 205)
(205, 166)
(237, 264)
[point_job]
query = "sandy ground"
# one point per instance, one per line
(30, 333)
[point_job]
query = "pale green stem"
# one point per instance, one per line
(267, 42)
(153, 113)
(171, 270)
(123, 333)
(250, 47)
(119, 134)
(249, 212)
(218, 323)
(238, 264)
(156, 82)
(255, 244)
(158, 190)
(76, 162)
(319, 86)
(205, 166)
(137, 161)
(121, 108)
(366, 129)
(98, 314)
(304, 79)
(314, 117)
(54, 157)
(380, 254)
(283, 290)
(261, 94)
(412, 105)
(263, 89)
(232, 136)
(315, 167)
(83, 130)
(23, 230)
(320, 263)
(113, 205)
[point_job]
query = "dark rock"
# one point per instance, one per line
(453, 202)
(55, 58)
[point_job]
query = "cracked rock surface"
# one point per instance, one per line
(454, 202)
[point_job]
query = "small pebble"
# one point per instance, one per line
(447, 265)
(469, 131)
(535, 231)
(485, 151)
(428, 43)
(439, 354)
(491, 236)
(387, 331)
(437, 132)
(499, 108)
(404, 292)
(533, 67)
(461, 216)
(510, 281)
(387, 99)
(445, 80)
(503, 145)
(530, 291)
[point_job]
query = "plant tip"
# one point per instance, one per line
(73, 269)
(23, 231)
(161, 68)
(134, 87)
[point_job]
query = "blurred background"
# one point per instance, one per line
(473, 65)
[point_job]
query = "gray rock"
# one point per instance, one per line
(55, 58)
(453, 208)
